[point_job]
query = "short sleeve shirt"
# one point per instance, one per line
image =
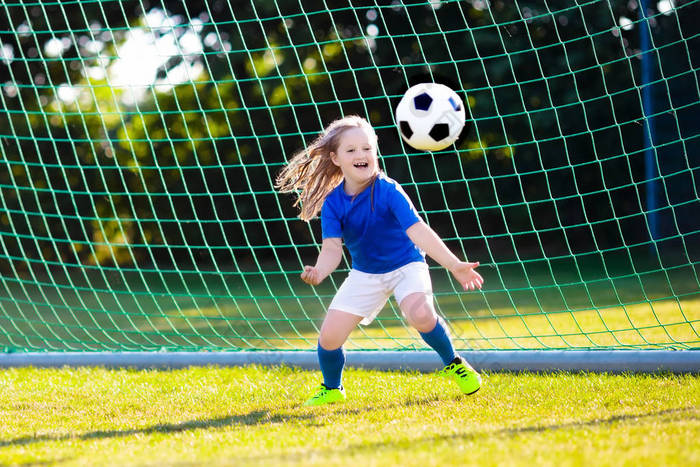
(373, 225)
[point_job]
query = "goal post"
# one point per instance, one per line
(140, 141)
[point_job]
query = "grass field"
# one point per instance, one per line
(252, 416)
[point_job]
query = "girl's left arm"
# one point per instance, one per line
(427, 240)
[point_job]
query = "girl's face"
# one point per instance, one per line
(357, 157)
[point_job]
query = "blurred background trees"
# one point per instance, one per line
(145, 132)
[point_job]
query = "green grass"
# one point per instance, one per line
(252, 416)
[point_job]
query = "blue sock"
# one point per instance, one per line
(332, 363)
(440, 341)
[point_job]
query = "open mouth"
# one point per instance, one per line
(361, 165)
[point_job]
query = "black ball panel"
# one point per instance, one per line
(405, 129)
(422, 101)
(440, 131)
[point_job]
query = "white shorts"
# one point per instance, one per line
(365, 294)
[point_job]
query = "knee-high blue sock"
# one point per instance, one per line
(440, 341)
(332, 363)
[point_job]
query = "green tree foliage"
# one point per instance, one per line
(100, 169)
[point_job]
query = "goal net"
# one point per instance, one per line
(140, 140)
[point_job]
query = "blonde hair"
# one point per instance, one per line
(311, 173)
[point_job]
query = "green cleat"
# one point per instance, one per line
(468, 380)
(326, 396)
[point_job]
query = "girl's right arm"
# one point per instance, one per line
(327, 262)
(427, 240)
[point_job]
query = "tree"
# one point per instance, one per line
(136, 134)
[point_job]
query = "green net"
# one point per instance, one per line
(140, 141)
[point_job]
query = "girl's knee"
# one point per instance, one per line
(336, 328)
(329, 338)
(418, 310)
(330, 342)
(423, 321)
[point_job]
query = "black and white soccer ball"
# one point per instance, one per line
(430, 116)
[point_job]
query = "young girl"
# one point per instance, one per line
(338, 174)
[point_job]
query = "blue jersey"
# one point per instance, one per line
(373, 225)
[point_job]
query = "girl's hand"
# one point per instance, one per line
(467, 276)
(311, 275)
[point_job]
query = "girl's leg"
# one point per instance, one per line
(335, 330)
(420, 313)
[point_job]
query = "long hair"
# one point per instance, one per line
(311, 173)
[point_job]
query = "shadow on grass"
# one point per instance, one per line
(255, 417)
(252, 418)
(503, 432)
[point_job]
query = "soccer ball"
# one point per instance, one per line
(430, 116)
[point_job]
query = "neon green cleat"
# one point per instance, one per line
(325, 396)
(468, 380)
